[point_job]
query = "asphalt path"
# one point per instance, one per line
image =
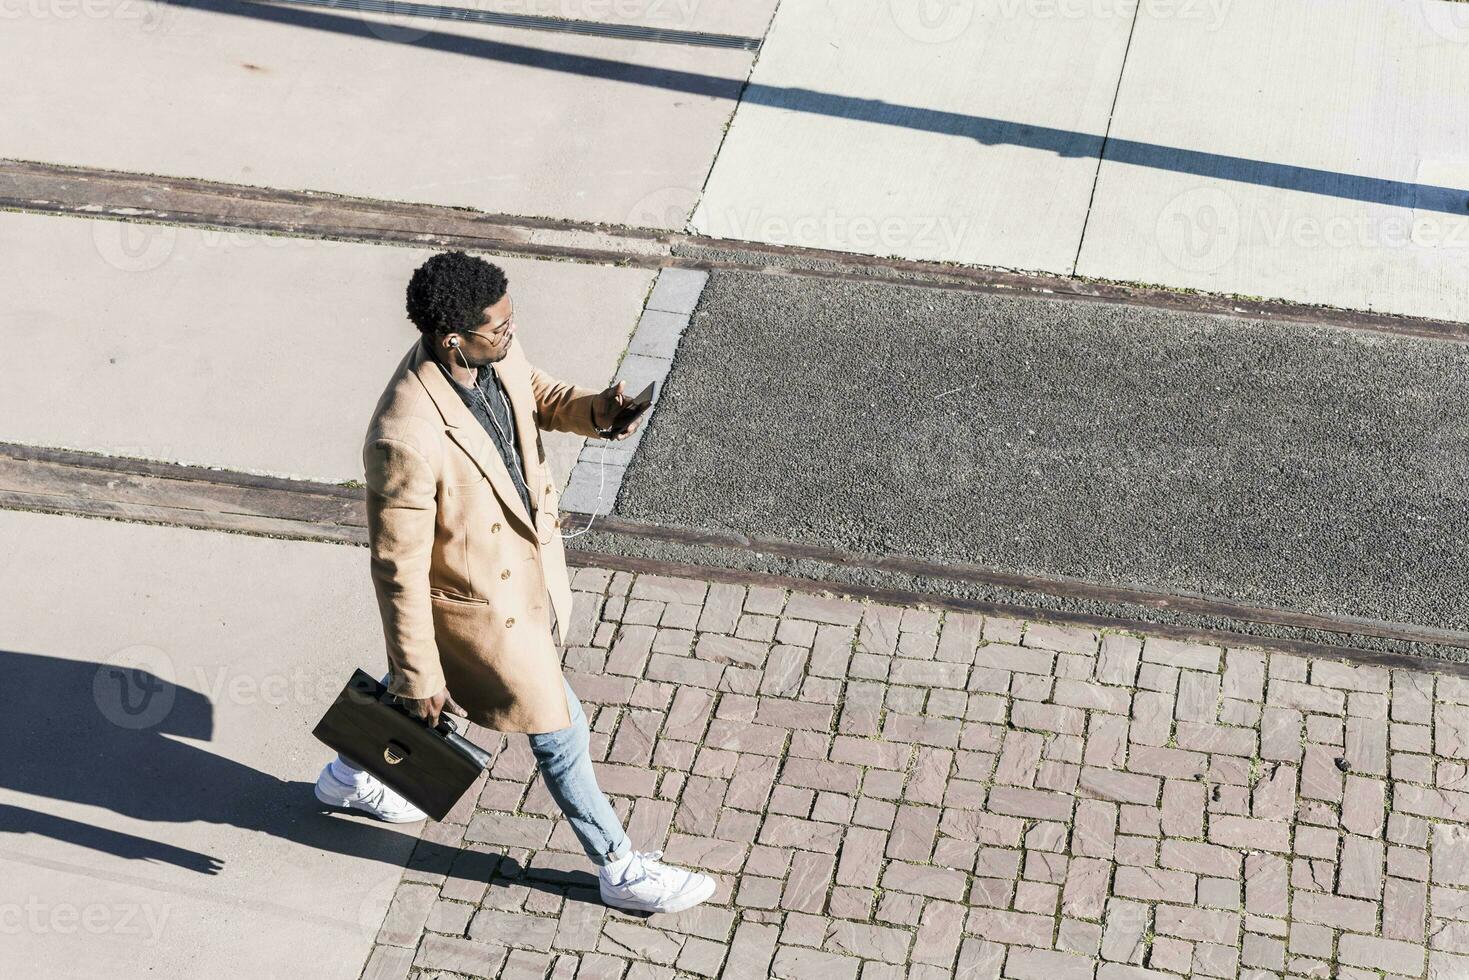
(1314, 468)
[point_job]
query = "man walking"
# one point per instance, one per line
(468, 563)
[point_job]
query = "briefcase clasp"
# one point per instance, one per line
(395, 753)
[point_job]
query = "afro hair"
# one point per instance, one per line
(450, 291)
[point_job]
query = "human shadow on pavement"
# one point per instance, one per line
(106, 736)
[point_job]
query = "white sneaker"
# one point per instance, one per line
(366, 793)
(642, 883)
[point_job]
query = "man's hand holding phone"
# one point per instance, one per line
(616, 414)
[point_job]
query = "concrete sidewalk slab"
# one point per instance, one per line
(251, 352)
(439, 112)
(161, 823)
(745, 18)
(1341, 125)
(971, 137)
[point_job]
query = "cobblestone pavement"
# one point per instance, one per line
(886, 792)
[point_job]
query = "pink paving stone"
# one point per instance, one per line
(937, 732)
(919, 879)
(1366, 748)
(1047, 718)
(980, 960)
(1067, 639)
(1244, 675)
(1019, 758)
(731, 650)
(1086, 694)
(862, 708)
(861, 857)
(1183, 808)
(823, 609)
(1391, 955)
(997, 893)
(1200, 925)
(1041, 964)
(1412, 696)
(1404, 862)
(1085, 891)
(1304, 697)
(939, 933)
(1247, 832)
(1094, 829)
(1117, 661)
(1198, 697)
(930, 776)
(984, 828)
(1182, 653)
(1106, 745)
(1332, 673)
(1218, 739)
(1120, 787)
(1122, 931)
(913, 833)
(1020, 928)
(1404, 906)
(1363, 805)
(814, 774)
(1274, 796)
(1266, 885)
(1174, 763)
(1334, 911)
(928, 673)
(1280, 734)
(1450, 855)
(784, 831)
(1403, 829)
(1451, 730)
(1361, 868)
(959, 636)
(1152, 718)
(1155, 885)
(1020, 802)
(873, 942)
(1004, 656)
(1204, 859)
(1321, 779)
(807, 884)
(795, 961)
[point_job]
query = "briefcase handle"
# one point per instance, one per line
(445, 726)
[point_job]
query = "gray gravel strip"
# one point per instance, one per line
(1313, 468)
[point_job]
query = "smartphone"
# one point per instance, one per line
(630, 412)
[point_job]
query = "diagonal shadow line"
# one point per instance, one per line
(982, 129)
(531, 22)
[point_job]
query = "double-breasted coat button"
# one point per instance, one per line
(510, 622)
(494, 527)
(505, 574)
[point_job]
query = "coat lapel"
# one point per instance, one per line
(467, 432)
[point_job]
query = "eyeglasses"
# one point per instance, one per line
(499, 330)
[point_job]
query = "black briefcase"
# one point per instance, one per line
(431, 767)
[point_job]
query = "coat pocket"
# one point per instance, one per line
(443, 595)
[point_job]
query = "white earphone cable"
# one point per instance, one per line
(601, 466)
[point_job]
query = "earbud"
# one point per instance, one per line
(453, 341)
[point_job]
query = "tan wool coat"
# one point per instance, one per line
(467, 581)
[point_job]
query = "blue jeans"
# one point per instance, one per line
(566, 766)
